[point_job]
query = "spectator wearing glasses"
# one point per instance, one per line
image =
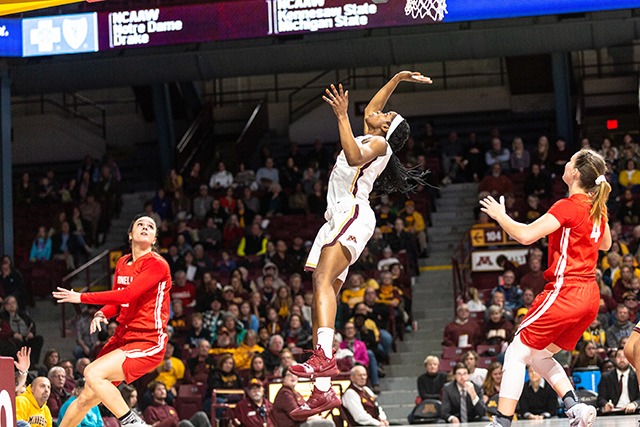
(462, 332)
(462, 394)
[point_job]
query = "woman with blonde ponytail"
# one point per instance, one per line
(577, 228)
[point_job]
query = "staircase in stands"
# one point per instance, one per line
(433, 305)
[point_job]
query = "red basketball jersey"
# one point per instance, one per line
(573, 248)
(140, 293)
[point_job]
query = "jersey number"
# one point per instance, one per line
(595, 234)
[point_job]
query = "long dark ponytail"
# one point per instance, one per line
(396, 177)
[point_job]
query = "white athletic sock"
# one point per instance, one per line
(323, 383)
(325, 341)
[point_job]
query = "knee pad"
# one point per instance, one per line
(548, 367)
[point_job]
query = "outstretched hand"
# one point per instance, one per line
(339, 101)
(23, 363)
(97, 321)
(492, 207)
(67, 295)
(413, 76)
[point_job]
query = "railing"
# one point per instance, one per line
(70, 104)
(461, 269)
(90, 283)
(194, 137)
(256, 127)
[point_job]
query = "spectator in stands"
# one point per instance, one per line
(273, 321)
(534, 279)
(245, 178)
(85, 340)
(31, 407)
(431, 382)
(183, 290)
(513, 294)
(462, 332)
(160, 413)
(387, 259)
(23, 328)
(197, 332)
(377, 243)
(355, 292)
(630, 300)
(344, 356)
(170, 372)
(12, 283)
(528, 297)
(199, 368)
(271, 355)
(629, 209)
(211, 235)
(538, 400)
(267, 175)
(415, 224)
(254, 243)
(618, 388)
(587, 357)
(287, 399)
(366, 262)
(211, 317)
(470, 360)
(498, 329)
(286, 360)
(491, 384)
(391, 295)
(623, 284)
(296, 337)
(24, 192)
(630, 176)
(249, 320)
(41, 247)
(57, 377)
(181, 208)
(559, 157)
(378, 312)
(537, 183)
(519, 159)
(359, 401)
(358, 347)
(298, 201)
(70, 381)
(596, 335)
(254, 410)
(223, 339)
(498, 155)
(270, 269)
(401, 241)
(475, 303)
(194, 180)
(67, 246)
(498, 299)
(221, 179)
(620, 329)
(50, 359)
(452, 159)
(274, 201)
(202, 202)
(613, 261)
(258, 368)
(93, 417)
(496, 183)
(385, 219)
(461, 388)
(218, 213)
(249, 347)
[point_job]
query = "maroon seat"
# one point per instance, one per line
(188, 401)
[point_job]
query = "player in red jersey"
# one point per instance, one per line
(140, 299)
(577, 228)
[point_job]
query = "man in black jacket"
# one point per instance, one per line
(610, 397)
(452, 393)
(22, 328)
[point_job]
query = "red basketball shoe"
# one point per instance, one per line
(318, 365)
(318, 402)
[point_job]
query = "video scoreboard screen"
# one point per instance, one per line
(241, 19)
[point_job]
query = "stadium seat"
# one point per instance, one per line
(188, 401)
(450, 352)
(215, 405)
(488, 350)
(485, 362)
(426, 412)
(447, 365)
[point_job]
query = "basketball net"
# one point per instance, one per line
(434, 8)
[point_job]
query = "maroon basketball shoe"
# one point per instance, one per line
(318, 402)
(318, 365)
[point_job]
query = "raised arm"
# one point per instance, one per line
(380, 99)
(525, 234)
(357, 155)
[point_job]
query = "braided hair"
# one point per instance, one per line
(396, 177)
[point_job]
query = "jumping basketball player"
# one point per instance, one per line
(365, 163)
(140, 298)
(577, 228)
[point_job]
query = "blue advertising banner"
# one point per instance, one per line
(57, 35)
(10, 37)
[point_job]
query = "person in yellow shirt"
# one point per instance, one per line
(627, 260)
(249, 347)
(415, 224)
(169, 372)
(630, 176)
(31, 407)
(355, 293)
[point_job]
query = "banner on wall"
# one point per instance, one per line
(490, 236)
(58, 35)
(488, 260)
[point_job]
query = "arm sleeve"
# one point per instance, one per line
(445, 408)
(47, 250)
(351, 401)
(603, 397)
(418, 222)
(110, 311)
(149, 276)
(263, 249)
(241, 246)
